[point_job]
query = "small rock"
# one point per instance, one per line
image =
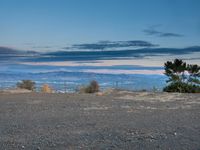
(23, 146)
(38, 148)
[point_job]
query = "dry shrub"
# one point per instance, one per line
(26, 84)
(46, 89)
(93, 87)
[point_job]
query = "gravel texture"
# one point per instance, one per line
(119, 120)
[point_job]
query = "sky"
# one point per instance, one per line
(52, 25)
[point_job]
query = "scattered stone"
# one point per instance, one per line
(97, 122)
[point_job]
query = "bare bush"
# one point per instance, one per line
(46, 89)
(93, 87)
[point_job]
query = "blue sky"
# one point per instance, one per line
(46, 25)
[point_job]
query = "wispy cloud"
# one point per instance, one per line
(154, 32)
(168, 34)
(102, 45)
(7, 50)
(42, 47)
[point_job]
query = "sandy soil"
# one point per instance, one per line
(120, 120)
(14, 91)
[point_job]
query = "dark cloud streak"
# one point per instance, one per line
(102, 45)
(114, 55)
(171, 35)
(153, 32)
(11, 55)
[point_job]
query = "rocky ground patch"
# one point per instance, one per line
(118, 120)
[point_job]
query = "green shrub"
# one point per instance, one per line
(183, 78)
(182, 88)
(26, 84)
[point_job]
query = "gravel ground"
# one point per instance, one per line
(121, 120)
